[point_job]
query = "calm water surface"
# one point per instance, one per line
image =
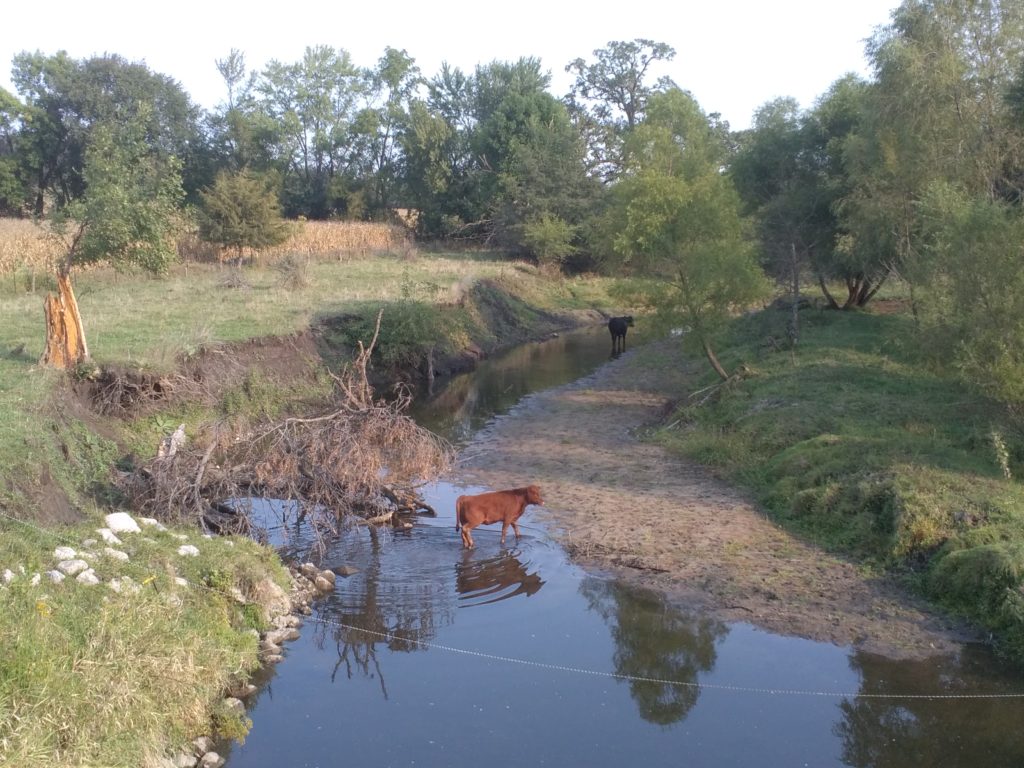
(433, 656)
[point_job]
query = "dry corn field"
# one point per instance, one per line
(317, 240)
(26, 245)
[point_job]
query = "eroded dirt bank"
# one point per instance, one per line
(622, 505)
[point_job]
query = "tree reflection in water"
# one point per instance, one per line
(656, 641)
(401, 615)
(899, 733)
(400, 598)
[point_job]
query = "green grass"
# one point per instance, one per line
(92, 677)
(854, 441)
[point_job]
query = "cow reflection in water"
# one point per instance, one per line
(489, 580)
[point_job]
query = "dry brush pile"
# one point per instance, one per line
(363, 458)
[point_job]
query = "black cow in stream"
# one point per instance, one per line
(617, 328)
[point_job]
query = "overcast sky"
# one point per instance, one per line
(733, 55)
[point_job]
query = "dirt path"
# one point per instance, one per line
(626, 506)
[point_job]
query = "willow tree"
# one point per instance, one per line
(674, 217)
(125, 216)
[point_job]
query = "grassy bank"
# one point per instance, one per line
(853, 441)
(93, 676)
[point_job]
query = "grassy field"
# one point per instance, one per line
(854, 441)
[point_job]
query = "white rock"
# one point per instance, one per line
(90, 556)
(188, 549)
(184, 760)
(124, 585)
(108, 536)
(211, 760)
(207, 535)
(55, 576)
(64, 553)
(149, 522)
(174, 601)
(7, 576)
(36, 578)
(90, 543)
(228, 543)
(71, 567)
(202, 745)
(180, 536)
(180, 581)
(88, 577)
(234, 705)
(116, 554)
(121, 522)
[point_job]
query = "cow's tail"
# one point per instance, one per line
(458, 513)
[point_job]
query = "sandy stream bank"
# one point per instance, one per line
(624, 506)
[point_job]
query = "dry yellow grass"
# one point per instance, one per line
(26, 245)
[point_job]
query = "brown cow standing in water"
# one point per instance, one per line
(505, 507)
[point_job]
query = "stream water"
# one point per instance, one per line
(430, 655)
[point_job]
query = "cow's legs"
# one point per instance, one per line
(515, 527)
(467, 540)
(504, 530)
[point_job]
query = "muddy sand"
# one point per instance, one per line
(630, 508)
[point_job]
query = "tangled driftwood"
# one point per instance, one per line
(363, 457)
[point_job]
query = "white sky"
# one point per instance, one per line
(733, 55)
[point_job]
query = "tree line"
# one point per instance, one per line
(913, 173)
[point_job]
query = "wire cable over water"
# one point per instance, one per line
(565, 668)
(681, 683)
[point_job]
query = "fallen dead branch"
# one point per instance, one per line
(362, 458)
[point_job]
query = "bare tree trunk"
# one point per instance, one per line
(828, 296)
(713, 359)
(65, 334)
(793, 331)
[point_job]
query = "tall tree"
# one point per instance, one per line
(13, 189)
(393, 85)
(791, 175)
(675, 217)
(609, 95)
(64, 100)
(942, 69)
(487, 153)
(315, 102)
(241, 134)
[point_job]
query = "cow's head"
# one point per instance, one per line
(533, 495)
(628, 319)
